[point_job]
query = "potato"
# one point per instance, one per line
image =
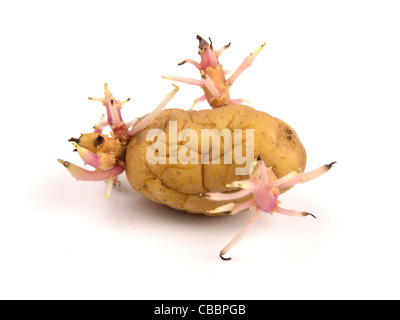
(181, 186)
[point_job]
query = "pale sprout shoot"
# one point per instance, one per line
(265, 187)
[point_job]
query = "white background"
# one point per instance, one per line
(331, 69)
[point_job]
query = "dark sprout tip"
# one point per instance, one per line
(331, 164)
(223, 258)
(203, 44)
(73, 140)
(309, 214)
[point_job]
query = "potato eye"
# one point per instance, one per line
(99, 141)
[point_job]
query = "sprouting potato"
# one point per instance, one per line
(214, 162)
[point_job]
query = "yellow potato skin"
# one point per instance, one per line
(180, 186)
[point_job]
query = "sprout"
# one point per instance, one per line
(265, 187)
(106, 154)
(213, 81)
